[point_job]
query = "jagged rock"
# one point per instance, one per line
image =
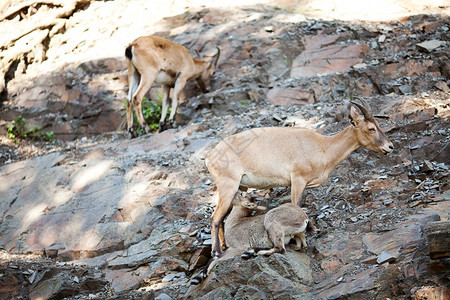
(438, 239)
(385, 257)
(429, 46)
(290, 96)
(431, 293)
(124, 209)
(287, 275)
(442, 86)
(322, 56)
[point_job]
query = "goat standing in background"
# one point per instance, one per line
(153, 59)
(265, 234)
(269, 157)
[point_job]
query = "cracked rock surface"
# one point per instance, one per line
(97, 215)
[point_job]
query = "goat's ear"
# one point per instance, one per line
(247, 204)
(354, 116)
(260, 208)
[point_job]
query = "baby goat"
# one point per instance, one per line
(153, 59)
(261, 234)
(285, 156)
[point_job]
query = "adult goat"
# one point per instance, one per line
(153, 59)
(285, 156)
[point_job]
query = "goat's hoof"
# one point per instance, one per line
(162, 127)
(248, 254)
(216, 254)
(147, 129)
(132, 132)
(196, 280)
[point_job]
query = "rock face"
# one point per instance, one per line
(108, 217)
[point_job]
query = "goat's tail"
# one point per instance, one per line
(128, 52)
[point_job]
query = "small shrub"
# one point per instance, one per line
(151, 110)
(19, 130)
(152, 113)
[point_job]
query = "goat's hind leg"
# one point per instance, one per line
(197, 279)
(133, 82)
(277, 239)
(165, 106)
(144, 85)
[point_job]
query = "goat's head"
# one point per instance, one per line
(367, 130)
(204, 80)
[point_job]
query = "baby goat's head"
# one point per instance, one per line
(246, 201)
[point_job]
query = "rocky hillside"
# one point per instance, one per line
(97, 215)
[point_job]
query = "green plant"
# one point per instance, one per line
(19, 130)
(152, 113)
(151, 110)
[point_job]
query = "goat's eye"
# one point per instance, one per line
(372, 129)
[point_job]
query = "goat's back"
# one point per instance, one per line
(160, 52)
(247, 233)
(288, 216)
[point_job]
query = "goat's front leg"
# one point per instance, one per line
(226, 195)
(298, 184)
(179, 86)
(165, 106)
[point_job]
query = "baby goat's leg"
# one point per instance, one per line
(276, 236)
(299, 241)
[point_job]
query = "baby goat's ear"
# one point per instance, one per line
(260, 208)
(253, 206)
(248, 204)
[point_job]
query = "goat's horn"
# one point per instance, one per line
(364, 103)
(364, 110)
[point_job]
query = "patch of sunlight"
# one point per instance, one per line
(33, 214)
(380, 10)
(47, 237)
(312, 123)
(89, 240)
(90, 175)
(76, 233)
(133, 195)
(60, 197)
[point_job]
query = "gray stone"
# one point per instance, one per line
(429, 46)
(163, 297)
(385, 257)
(442, 86)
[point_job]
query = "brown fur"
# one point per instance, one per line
(153, 59)
(280, 156)
(261, 234)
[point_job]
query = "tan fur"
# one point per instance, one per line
(284, 156)
(271, 231)
(158, 60)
